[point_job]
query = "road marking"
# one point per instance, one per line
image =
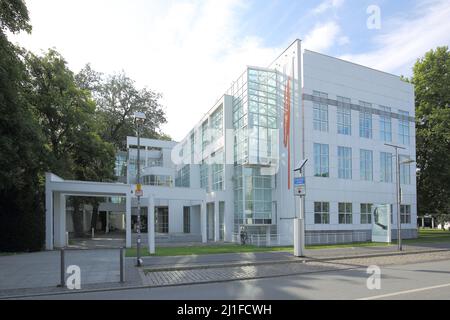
(405, 292)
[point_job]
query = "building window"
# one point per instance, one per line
(405, 170)
(405, 213)
(204, 176)
(186, 219)
(344, 163)
(365, 120)
(385, 124)
(205, 140)
(321, 213)
(320, 112)
(366, 165)
(321, 160)
(217, 124)
(366, 213)
(386, 167)
(157, 180)
(403, 127)
(162, 220)
(345, 213)
(344, 116)
(217, 170)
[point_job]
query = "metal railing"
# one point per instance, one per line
(261, 240)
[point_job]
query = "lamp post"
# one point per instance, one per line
(139, 118)
(299, 223)
(398, 191)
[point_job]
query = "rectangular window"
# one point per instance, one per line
(217, 170)
(320, 110)
(321, 160)
(366, 213)
(321, 213)
(217, 124)
(186, 219)
(365, 120)
(345, 213)
(344, 163)
(344, 116)
(205, 140)
(386, 167)
(385, 124)
(366, 165)
(204, 176)
(403, 127)
(405, 213)
(162, 220)
(405, 170)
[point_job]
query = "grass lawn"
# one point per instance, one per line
(425, 236)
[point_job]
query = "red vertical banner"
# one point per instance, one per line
(287, 125)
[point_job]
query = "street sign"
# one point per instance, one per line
(139, 193)
(300, 186)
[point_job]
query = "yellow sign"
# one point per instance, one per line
(138, 187)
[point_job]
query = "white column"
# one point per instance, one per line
(60, 220)
(151, 224)
(128, 220)
(48, 215)
(203, 221)
(299, 231)
(216, 222)
(107, 222)
(268, 236)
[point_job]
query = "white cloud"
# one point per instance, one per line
(190, 50)
(326, 5)
(323, 36)
(408, 38)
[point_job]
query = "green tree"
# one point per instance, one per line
(118, 99)
(431, 78)
(67, 116)
(21, 144)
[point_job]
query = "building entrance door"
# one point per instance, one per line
(161, 219)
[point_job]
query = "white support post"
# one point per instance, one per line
(57, 220)
(203, 221)
(128, 220)
(216, 222)
(268, 236)
(298, 238)
(48, 214)
(151, 224)
(60, 221)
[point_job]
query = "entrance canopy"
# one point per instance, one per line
(56, 190)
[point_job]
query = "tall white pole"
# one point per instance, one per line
(399, 222)
(138, 178)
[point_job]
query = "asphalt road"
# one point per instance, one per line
(426, 280)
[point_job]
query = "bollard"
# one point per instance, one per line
(122, 265)
(92, 233)
(63, 267)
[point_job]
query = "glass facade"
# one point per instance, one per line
(255, 121)
(403, 127)
(183, 178)
(157, 180)
(217, 170)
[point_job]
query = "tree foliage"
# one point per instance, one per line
(14, 16)
(117, 99)
(431, 79)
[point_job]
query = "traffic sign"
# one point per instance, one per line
(300, 186)
(139, 193)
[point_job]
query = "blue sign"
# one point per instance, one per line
(299, 181)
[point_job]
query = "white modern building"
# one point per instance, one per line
(235, 168)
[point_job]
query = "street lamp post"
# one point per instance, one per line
(398, 193)
(140, 117)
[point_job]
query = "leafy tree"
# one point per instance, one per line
(66, 114)
(431, 78)
(22, 153)
(117, 100)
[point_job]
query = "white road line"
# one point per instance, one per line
(405, 292)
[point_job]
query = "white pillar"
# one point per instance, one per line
(299, 245)
(151, 224)
(432, 222)
(48, 214)
(107, 222)
(203, 221)
(216, 222)
(128, 220)
(60, 220)
(268, 236)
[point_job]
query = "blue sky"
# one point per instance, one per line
(191, 50)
